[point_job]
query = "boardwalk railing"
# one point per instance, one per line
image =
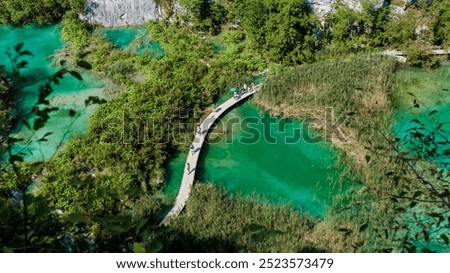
(191, 163)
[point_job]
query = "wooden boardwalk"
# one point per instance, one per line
(402, 58)
(191, 163)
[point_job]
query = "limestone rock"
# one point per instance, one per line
(113, 13)
(324, 7)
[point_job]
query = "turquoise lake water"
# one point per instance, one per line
(423, 109)
(134, 39)
(70, 94)
(301, 174)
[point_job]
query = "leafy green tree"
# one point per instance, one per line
(441, 23)
(205, 14)
(21, 12)
(283, 30)
(355, 30)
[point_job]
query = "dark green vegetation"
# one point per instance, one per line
(284, 31)
(420, 28)
(103, 192)
(26, 223)
(21, 12)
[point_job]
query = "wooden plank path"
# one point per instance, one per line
(402, 58)
(194, 153)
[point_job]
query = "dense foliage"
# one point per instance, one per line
(283, 30)
(441, 23)
(21, 12)
(205, 15)
(356, 30)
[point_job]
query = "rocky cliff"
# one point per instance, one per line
(323, 7)
(113, 13)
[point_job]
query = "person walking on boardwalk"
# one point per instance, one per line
(189, 168)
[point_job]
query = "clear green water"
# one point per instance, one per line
(301, 174)
(43, 41)
(423, 102)
(134, 39)
(218, 47)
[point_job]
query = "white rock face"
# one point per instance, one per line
(112, 13)
(324, 7)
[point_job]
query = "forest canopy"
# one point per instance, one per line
(22, 12)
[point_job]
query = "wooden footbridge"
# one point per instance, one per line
(191, 163)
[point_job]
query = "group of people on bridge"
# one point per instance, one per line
(237, 92)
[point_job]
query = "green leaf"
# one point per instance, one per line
(154, 247)
(118, 228)
(18, 47)
(7, 249)
(39, 123)
(345, 230)
(15, 140)
(27, 124)
(25, 53)
(74, 182)
(363, 227)
(72, 113)
(48, 134)
(254, 228)
(138, 248)
(416, 121)
(16, 158)
(22, 64)
(76, 218)
(258, 237)
(417, 194)
(84, 65)
(76, 75)
(273, 233)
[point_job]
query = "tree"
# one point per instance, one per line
(206, 15)
(352, 29)
(21, 12)
(441, 23)
(283, 30)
